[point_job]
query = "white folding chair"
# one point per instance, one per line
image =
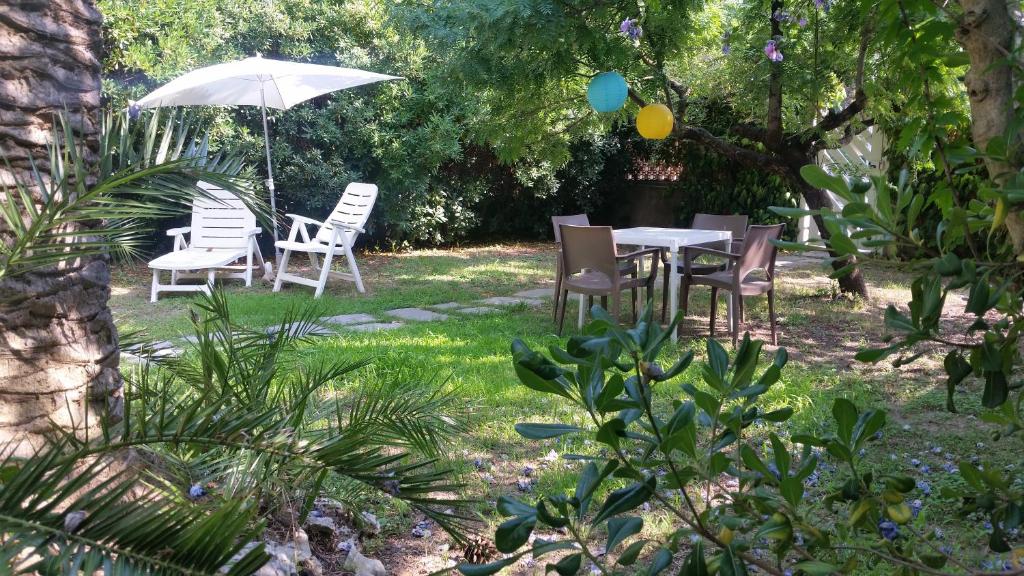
(339, 231)
(223, 232)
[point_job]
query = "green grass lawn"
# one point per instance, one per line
(470, 355)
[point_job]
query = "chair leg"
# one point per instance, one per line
(248, 265)
(604, 304)
(737, 311)
(634, 294)
(562, 301)
(558, 288)
(282, 267)
(771, 316)
(153, 291)
(685, 294)
(714, 309)
(352, 266)
(590, 303)
(664, 295)
(324, 272)
(616, 304)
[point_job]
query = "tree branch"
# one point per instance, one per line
(744, 156)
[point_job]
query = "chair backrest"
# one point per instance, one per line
(221, 220)
(735, 223)
(758, 252)
(588, 247)
(353, 209)
(572, 220)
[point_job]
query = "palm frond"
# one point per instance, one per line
(60, 216)
(53, 522)
(240, 406)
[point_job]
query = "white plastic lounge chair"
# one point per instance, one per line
(223, 231)
(339, 231)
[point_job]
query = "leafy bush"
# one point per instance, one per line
(736, 503)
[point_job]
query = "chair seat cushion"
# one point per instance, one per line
(723, 280)
(598, 283)
(196, 259)
(302, 246)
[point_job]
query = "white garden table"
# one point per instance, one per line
(671, 239)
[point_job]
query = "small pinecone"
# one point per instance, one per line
(480, 550)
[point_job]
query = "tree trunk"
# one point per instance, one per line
(852, 283)
(58, 345)
(986, 32)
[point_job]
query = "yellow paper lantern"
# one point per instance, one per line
(654, 122)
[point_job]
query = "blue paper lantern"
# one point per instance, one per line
(607, 92)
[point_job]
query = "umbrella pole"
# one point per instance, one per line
(270, 174)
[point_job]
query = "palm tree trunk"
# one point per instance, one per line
(58, 345)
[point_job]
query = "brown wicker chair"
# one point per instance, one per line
(591, 266)
(627, 268)
(757, 253)
(737, 224)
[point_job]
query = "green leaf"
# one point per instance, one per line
(509, 506)
(631, 553)
(621, 528)
(957, 368)
(845, 414)
(543, 431)
(817, 177)
(816, 568)
(625, 499)
(611, 432)
(513, 533)
(487, 569)
(567, 566)
(695, 564)
(661, 560)
(730, 565)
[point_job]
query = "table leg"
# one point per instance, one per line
(583, 311)
(673, 290)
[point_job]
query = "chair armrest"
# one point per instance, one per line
(304, 220)
(337, 224)
(638, 254)
(696, 250)
(253, 231)
(179, 231)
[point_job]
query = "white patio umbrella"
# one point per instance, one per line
(259, 82)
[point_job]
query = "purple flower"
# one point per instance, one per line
(825, 4)
(915, 507)
(888, 529)
(629, 27)
(925, 487)
(196, 492)
(926, 469)
(915, 462)
(725, 49)
(134, 110)
(801, 23)
(771, 50)
(780, 15)
(949, 468)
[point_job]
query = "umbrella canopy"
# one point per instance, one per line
(259, 82)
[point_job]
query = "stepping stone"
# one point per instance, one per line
(295, 327)
(376, 326)
(537, 293)
(477, 310)
(161, 349)
(347, 319)
(446, 306)
(511, 301)
(416, 314)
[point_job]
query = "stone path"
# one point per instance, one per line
(361, 322)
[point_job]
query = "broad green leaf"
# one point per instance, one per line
(535, 431)
(621, 528)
